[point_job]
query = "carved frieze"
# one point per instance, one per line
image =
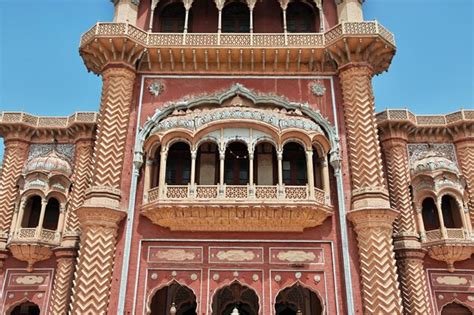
(296, 256)
(235, 255)
(175, 255)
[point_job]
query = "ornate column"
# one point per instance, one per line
(251, 5)
(187, 7)
(370, 213)
(61, 295)
(280, 172)
(284, 6)
(408, 251)
(192, 181)
(18, 217)
(15, 154)
(442, 227)
(221, 166)
(220, 6)
(39, 228)
(310, 172)
(162, 177)
(101, 212)
(154, 3)
(325, 176)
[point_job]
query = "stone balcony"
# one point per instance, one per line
(33, 244)
(238, 52)
(237, 208)
(449, 246)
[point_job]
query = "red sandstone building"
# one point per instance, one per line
(236, 166)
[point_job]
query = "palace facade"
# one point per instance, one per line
(236, 165)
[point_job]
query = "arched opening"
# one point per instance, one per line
(301, 18)
(236, 166)
(430, 214)
(451, 214)
(455, 309)
(170, 18)
(154, 168)
(265, 165)
(51, 214)
(294, 164)
(318, 169)
(298, 300)
(32, 212)
(236, 18)
(26, 308)
(178, 164)
(173, 297)
(207, 164)
(235, 296)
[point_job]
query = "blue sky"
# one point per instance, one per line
(41, 71)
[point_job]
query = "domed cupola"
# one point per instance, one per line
(432, 162)
(52, 162)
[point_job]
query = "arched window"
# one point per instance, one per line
(451, 214)
(32, 212)
(236, 166)
(51, 214)
(207, 162)
(178, 164)
(171, 18)
(176, 296)
(235, 296)
(236, 18)
(155, 168)
(455, 309)
(294, 164)
(300, 18)
(430, 214)
(265, 165)
(26, 308)
(298, 300)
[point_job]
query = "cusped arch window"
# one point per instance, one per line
(235, 298)
(51, 214)
(173, 299)
(301, 18)
(236, 18)
(455, 309)
(32, 212)
(25, 308)
(451, 212)
(430, 214)
(178, 164)
(298, 300)
(171, 18)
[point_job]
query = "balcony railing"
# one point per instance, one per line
(36, 235)
(315, 40)
(451, 235)
(231, 193)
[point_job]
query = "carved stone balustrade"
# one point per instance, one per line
(236, 207)
(220, 52)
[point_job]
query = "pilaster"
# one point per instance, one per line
(15, 155)
(61, 294)
(465, 155)
(409, 254)
(101, 212)
(370, 211)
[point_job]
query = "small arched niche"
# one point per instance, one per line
(298, 300)
(25, 308)
(173, 298)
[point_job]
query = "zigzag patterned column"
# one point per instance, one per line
(409, 254)
(101, 212)
(465, 152)
(370, 213)
(59, 303)
(81, 179)
(15, 155)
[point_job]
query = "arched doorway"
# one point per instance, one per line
(455, 309)
(173, 299)
(235, 296)
(298, 300)
(26, 308)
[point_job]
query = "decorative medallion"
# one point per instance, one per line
(156, 88)
(29, 280)
(317, 88)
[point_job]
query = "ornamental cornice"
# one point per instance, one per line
(347, 42)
